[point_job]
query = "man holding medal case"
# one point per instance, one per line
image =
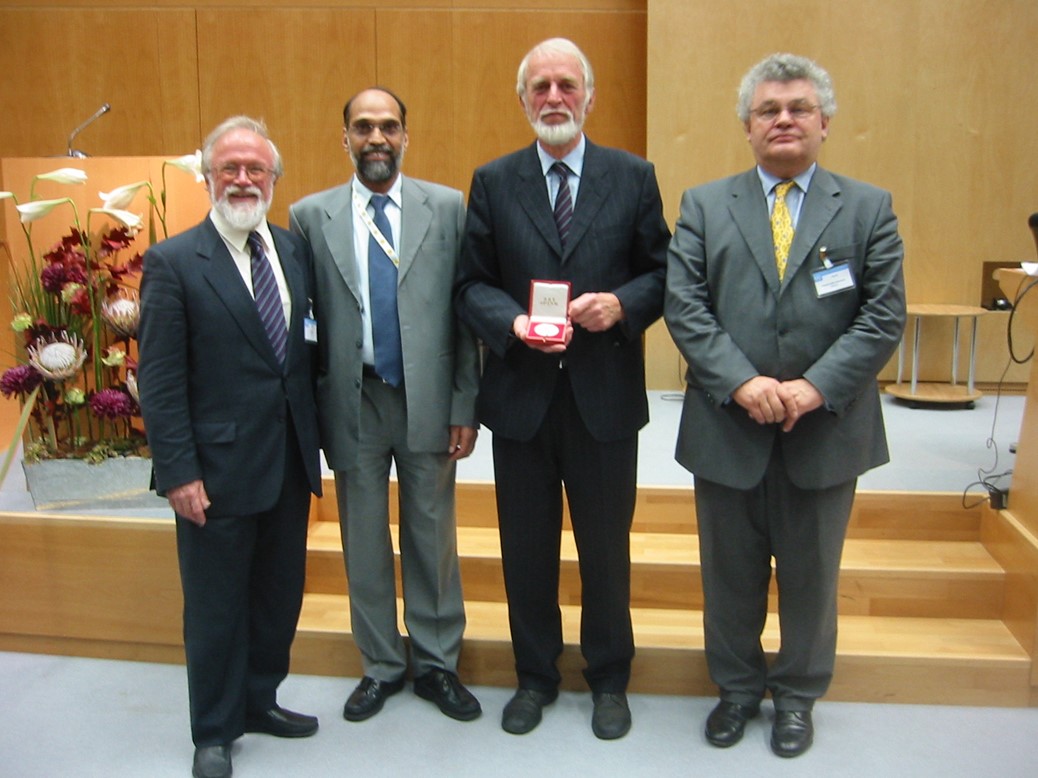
(564, 406)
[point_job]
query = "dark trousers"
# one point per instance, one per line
(242, 579)
(600, 488)
(739, 533)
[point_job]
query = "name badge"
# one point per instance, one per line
(833, 279)
(310, 325)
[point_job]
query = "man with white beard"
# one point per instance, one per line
(227, 398)
(565, 410)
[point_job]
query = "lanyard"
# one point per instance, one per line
(376, 233)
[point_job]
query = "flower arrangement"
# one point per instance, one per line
(77, 309)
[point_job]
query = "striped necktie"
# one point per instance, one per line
(268, 298)
(782, 227)
(563, 201)
(382, 283)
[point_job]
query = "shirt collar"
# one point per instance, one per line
(366, 194)
(237, 238)
(768, 181)
(574, 160)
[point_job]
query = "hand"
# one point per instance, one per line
(799, 397)
(462, 442)
(596, 311)
(521, 327)
(760, 397)
(190, 501)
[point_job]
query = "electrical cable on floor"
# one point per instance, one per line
(988, 478)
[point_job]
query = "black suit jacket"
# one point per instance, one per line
(215, 401)
(617, 243)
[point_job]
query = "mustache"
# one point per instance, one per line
(234, 189)
(382, 148)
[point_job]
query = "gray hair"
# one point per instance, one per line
(239, 123)
(555, 46)
(784, 68)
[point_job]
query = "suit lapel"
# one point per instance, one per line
(295, 278)
(223, 276)
(532, 193)
(414, 224)
(338, 234)
(749, 210)
(596, 185)
(820, 205)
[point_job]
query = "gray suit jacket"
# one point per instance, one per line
(732, 320)
(441, 362)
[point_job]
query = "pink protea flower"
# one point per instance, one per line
(57, 357)
(113, 404)
(19, 380)
(123, 313)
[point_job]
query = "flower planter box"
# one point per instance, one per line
(72, 484)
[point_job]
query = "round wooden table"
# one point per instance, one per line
(949, 393)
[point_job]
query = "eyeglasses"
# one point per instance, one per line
(770, 112)
(389, 129)
(256, 173)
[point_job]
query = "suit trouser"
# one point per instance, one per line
(242, 579)
(600, 489)
(739, 532)
(434, 610)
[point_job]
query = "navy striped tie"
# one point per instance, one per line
(268, 298)
(563, 201)
(382, 283)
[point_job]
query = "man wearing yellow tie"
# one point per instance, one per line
(785, 295)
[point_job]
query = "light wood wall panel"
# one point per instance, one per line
(935, 104)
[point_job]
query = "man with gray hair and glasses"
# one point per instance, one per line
(785, 295)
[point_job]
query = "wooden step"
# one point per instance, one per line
(954, 579)
(891, 659)
(671, 509)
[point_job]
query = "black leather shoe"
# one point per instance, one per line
(279, 722)
(523, 712)
(611, 718)
(447, 692)
(212, 762)
(792, 733)
(727, 721)
(369, 697)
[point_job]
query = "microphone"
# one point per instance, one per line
(97, 115)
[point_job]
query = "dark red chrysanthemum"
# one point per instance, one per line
(113, 404)
(19, 380)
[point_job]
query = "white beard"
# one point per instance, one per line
(245, 216)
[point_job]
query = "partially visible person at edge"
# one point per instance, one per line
(564, 208)
(396, 383)
(785, 295)
(226, 391)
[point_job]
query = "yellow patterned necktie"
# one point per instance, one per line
(781, 227)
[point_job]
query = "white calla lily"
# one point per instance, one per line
(129, 219)
(65, 175)
(121, 196)
(35, 209)
(189, 163)
(6, 195)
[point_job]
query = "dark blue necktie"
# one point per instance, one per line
(268, 298)
(563, 201)
(382, 280)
